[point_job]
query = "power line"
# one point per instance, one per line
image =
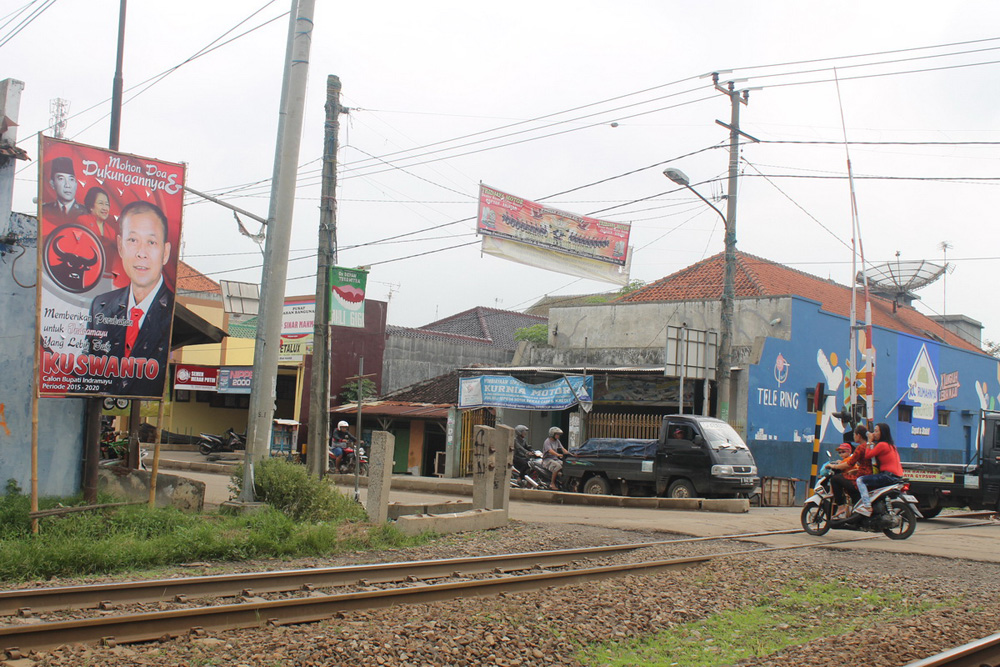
(25, 22)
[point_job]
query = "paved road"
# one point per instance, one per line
(943, 537)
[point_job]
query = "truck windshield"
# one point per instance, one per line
(721, 435)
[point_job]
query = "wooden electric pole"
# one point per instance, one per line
(319, 396)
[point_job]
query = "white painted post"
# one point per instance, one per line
(379, 476)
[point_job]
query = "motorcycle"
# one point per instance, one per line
(537, 475)
(230, 441)
(347, 460)
(894, 511)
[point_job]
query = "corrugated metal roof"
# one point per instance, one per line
(396, 409)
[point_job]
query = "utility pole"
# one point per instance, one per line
(279, 228)
(736, 98)
(319, 402)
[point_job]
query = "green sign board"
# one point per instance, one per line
(347, 297)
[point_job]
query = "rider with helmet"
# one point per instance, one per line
(552, 455)
(338, 439)
(522, 452)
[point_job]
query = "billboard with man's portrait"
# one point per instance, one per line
(109, 232)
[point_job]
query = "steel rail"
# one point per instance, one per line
(61, 598)
(980, 653)
(19, 639)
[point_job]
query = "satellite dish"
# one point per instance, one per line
(898, 279)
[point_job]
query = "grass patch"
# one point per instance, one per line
(801, 612)
(138, 537)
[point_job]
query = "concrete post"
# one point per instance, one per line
(10, 101)
(503, 440)
(483, 465)
(453, 444)
(379, 476)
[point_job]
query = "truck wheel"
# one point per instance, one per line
(681, 489)
(907, 521)
(816, 518)
(930, 513)
(597, 486)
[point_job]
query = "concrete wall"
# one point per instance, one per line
(60, 420)
(411, 360)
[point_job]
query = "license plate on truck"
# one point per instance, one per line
(746, 481)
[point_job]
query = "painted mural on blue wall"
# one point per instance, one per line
(930, 394)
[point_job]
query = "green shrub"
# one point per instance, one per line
(290, 489)
(537, 334)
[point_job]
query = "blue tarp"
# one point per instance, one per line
(632, 448)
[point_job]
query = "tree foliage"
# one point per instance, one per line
(992, 347)
(537, 334)
(349, 391)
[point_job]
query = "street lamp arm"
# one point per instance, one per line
(721, 215)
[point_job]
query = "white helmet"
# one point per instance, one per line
(343, 425)
(555, 430)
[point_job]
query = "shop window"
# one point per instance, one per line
(285, 388)
(905, 413)
(204, 396)
(182, 395)
(944, 417)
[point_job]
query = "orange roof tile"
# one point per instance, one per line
(190, 279)
(757, 277)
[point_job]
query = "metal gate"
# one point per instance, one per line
(470, 420)
(618, 425)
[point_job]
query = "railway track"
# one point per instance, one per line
(311, 605)
(980, 653)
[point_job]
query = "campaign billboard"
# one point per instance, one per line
(109, 230)
(506, 216)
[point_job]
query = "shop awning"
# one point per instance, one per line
(192, 329)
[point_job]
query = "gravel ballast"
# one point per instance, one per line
(549, 626)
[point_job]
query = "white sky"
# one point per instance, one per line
(420, 73)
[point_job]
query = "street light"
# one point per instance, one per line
(723, 365)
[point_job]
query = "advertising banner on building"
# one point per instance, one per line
(109, 230)
(298, 316)
(503, 391)
(235, 380)
(294, 348)
(562, 235)
(347, 297)
(196, 378)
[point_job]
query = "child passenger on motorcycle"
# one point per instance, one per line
(853, 466)
(882, 449)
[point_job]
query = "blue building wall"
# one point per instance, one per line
(60, 421)
(926, 376)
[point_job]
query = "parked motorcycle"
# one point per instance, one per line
(230, 441)
(894, 511)
(347, 460)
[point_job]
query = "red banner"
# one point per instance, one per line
(109, 232)
(508, 217)
(196, 378)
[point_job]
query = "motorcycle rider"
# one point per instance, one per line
(850, 468)
(552, 455)
(522, 452)
(881, 449)
(338, 440)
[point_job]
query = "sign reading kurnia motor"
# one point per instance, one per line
(109, 227)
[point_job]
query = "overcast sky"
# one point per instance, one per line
(555, 95)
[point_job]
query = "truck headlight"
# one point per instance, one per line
(722, 471)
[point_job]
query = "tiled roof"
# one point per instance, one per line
(242, 329)
(440, 390)
(492, 325)
(542, 306)
(757, 278)
(190, 279)
(407, 332)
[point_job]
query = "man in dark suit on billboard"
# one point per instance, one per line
(64, 210)
(137, 317)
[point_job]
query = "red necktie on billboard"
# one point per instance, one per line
(133, 330)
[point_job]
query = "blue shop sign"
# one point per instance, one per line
(503, 391)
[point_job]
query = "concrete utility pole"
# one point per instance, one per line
(279, 227)
(736, 98)
(319, 398)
